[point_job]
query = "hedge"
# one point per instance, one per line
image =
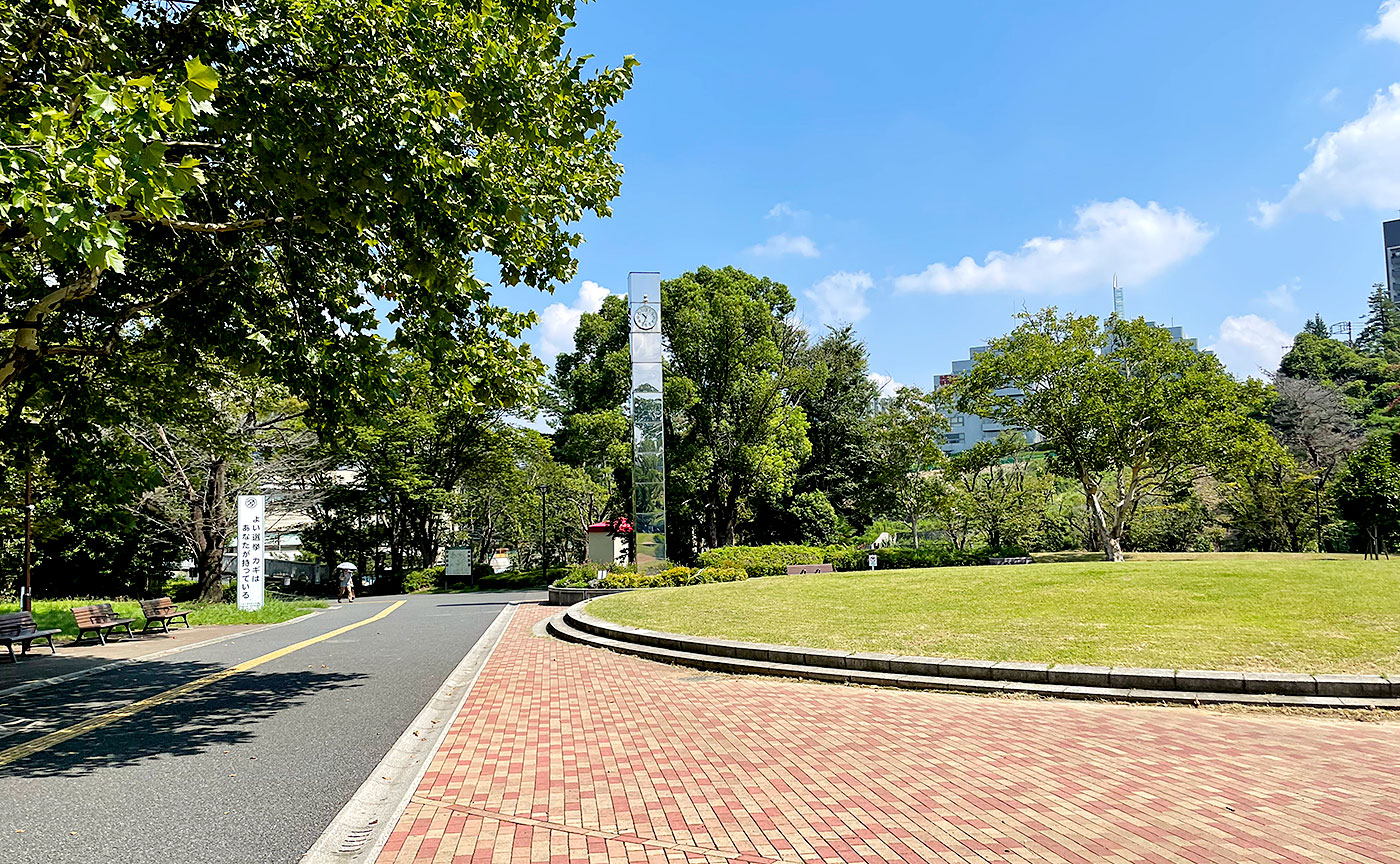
(774, 560)
(586, 576)
(761, 560)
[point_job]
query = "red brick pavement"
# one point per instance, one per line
(565, 753)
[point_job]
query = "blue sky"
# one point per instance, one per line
(1232, 162)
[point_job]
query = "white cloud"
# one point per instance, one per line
(781, 244)
(1122, 237)
(1354, 166)
(785, 208)
(1331, 95)
(558, 321)
(885, 384)
(1249, 344)
(1281, 298)
(1388, 24)
(840, 297)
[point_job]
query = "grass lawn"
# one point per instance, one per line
(54, 613)
(1300, 613)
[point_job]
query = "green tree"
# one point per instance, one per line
(1380, 335)
(254, 180)
(1124, 410)
(243, 436)
(1004, 494)
(839, 401)
(1368, 494)
(587, 401)
(732, 434)
(1317, 327)
(909, 433)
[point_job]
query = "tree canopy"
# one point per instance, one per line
(1124, 410)
(269, 182)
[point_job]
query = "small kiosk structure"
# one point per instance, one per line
(607, 542)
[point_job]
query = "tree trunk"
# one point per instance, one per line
(914, 525)
(1112, 546)
(208, 540)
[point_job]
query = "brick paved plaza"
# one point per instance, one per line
(565, 753)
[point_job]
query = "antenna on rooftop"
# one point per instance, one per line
(1117, 297)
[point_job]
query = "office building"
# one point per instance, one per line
(1391, 232)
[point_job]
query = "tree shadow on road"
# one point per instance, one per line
(221, 714)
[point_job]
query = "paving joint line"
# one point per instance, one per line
(600, 834)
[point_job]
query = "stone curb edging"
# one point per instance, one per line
(983, 676)
(570, 596)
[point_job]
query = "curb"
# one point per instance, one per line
(362, 827)
(1189, 686)
(117, 664)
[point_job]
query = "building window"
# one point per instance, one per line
(957, 420)
(955, 438)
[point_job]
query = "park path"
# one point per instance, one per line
(565, 753)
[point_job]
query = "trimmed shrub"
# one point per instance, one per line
(586, 576)
(721, 574)
(905, 558)
(423, 580)
(761, 560)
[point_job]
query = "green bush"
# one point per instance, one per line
(586, 576)
(180, 590)
(423, 580)
(761, 560)
(721, 574)
(905, 558)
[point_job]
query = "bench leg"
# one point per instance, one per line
(52, 650)
(129, 634)
(165, 624)
(101, 637)
(147, 627)
(12, 652)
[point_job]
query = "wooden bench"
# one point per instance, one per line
(100, 619)
(796, 569)
(162, 611)
(19, 627)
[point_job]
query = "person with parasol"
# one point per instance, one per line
(346, 571)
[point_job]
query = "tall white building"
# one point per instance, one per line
(968, 429)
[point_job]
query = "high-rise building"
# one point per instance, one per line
(1390, 230)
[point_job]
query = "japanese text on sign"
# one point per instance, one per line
(251, 509)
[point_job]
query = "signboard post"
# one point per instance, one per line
(872, 560)
(251, 509)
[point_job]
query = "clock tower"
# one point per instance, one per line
(648, 428)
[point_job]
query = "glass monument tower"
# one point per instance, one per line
(648, 440)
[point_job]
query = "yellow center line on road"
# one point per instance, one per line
(44, 742)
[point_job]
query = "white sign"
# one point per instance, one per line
(872, 562)
(251, 509)
(459, 561)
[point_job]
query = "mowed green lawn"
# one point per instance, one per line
(49, 614)
(1300, 613)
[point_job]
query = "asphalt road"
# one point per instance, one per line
(251, 768)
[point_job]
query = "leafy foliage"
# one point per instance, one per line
(1120, 403)
(244, 180)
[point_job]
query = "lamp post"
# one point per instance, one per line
(544, 528)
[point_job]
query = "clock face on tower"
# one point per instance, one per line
(644, 317)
